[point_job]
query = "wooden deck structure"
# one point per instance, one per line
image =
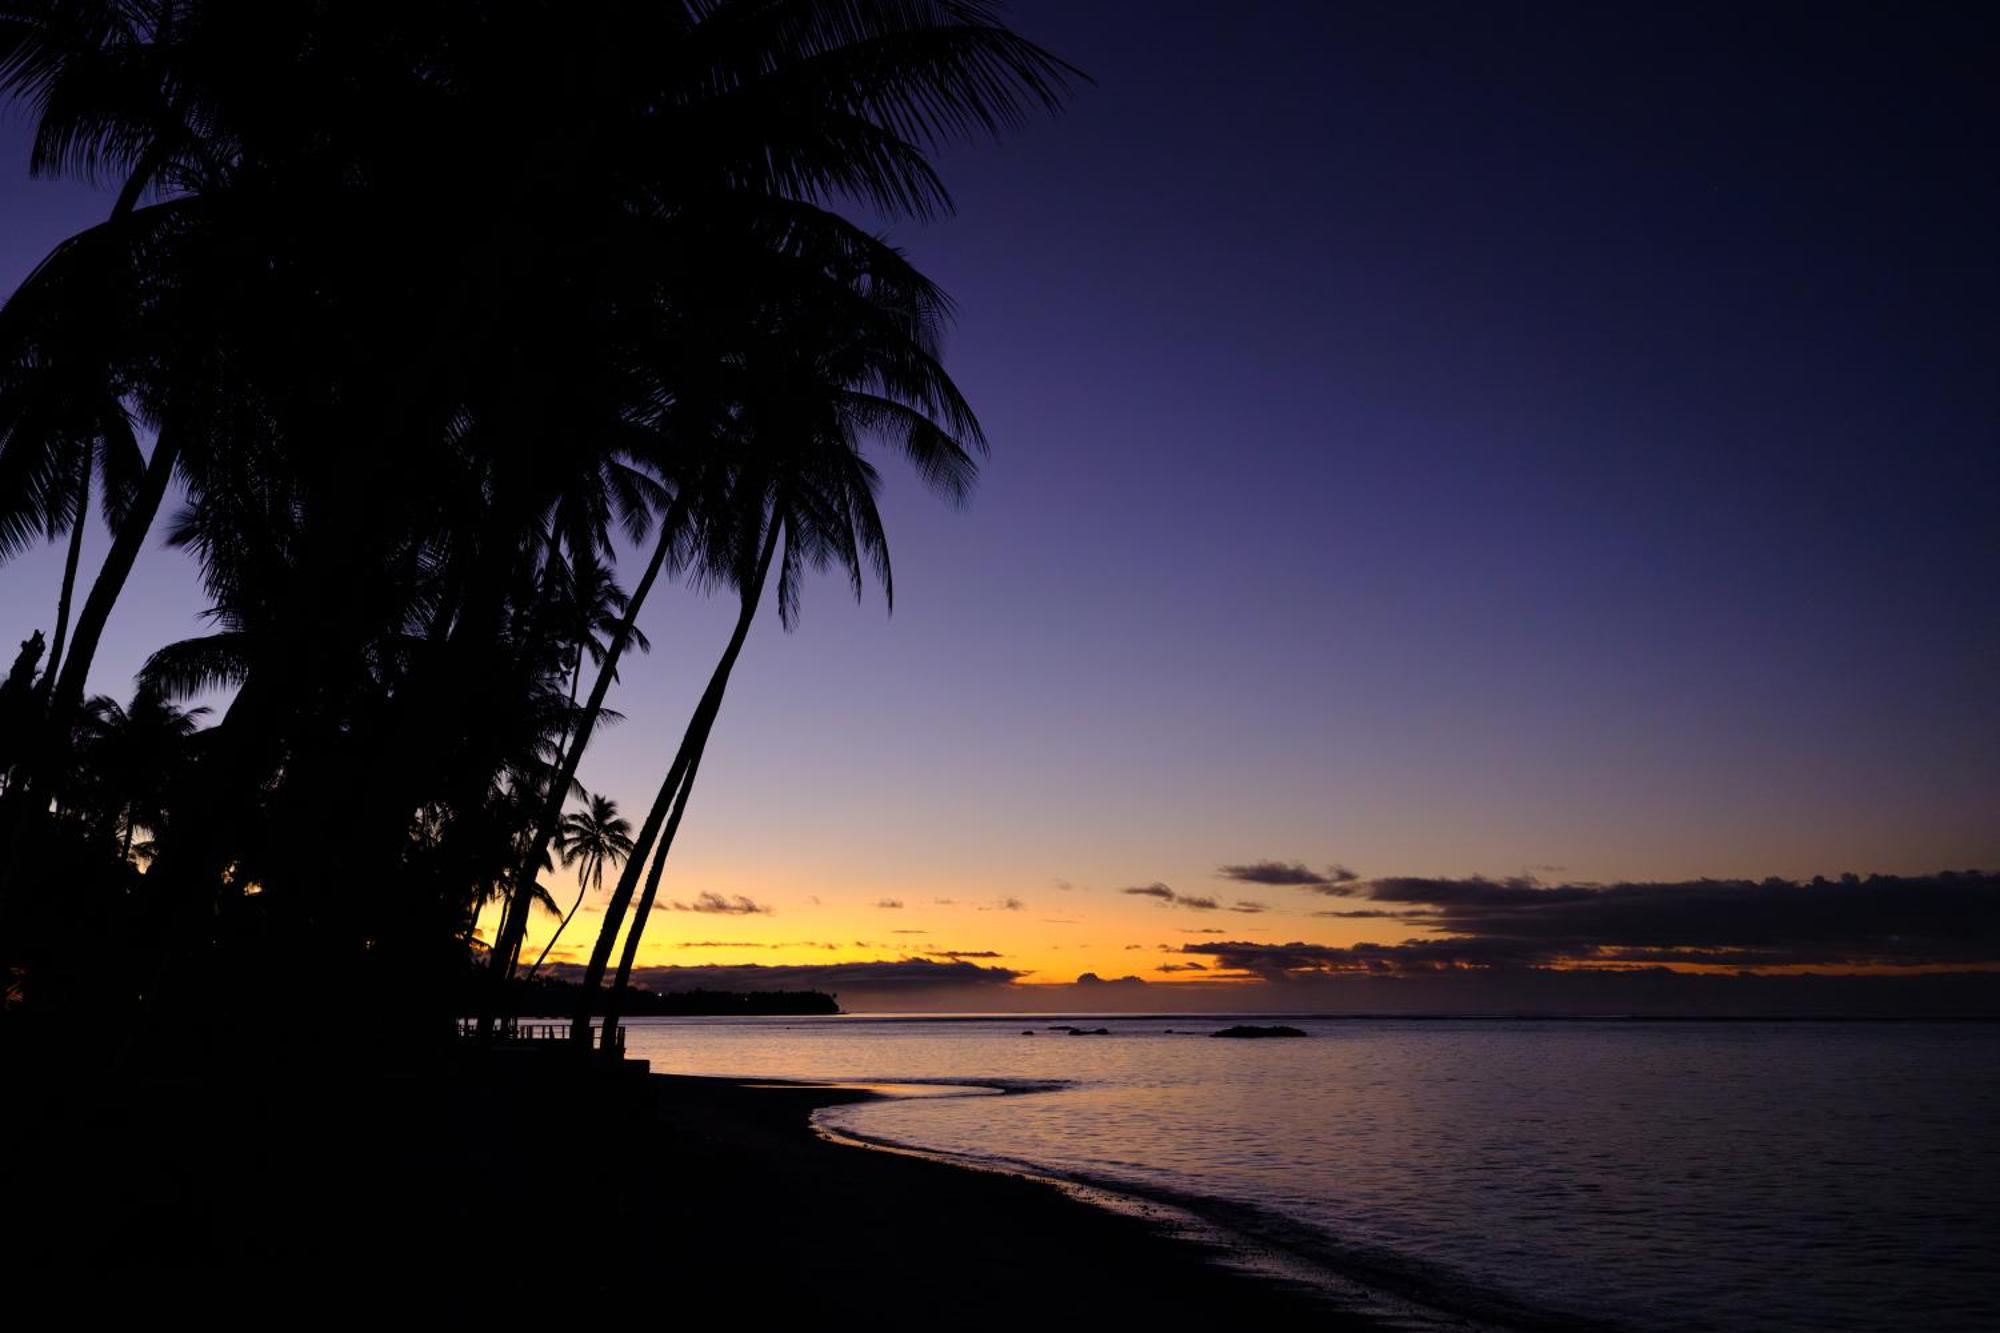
(513, 1032)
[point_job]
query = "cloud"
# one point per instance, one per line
(1168, 896)
(895, 903)
(956, 954)
(1280, 962)
(1944, 920)
(1092, 979)
(715, 902)
(1063, 885)
(720, 944)
(945, 902)
(1369, 914)
(1180, 967)
(1004, 905)
(1291, 874)
(1245, 905)
(1883, 920)
(908, 931)
(1202, 930)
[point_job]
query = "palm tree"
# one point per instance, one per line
(589, 612)
(135, 757)
(413, 346)
(102, 80)
(852, 356)
(57, 438)
(776, 109)
(591, 839)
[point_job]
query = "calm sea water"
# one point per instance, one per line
(1651, 1175)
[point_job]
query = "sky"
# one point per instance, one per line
(1432, 440)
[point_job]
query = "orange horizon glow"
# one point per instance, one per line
(1050, 940)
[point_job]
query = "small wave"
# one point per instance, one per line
(1393, 1290)
(1004, 1086)
(900, 1088)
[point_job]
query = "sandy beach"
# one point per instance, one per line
(710, 1194)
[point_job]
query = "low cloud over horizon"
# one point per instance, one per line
(1290, 874)
(716, 903)
(1193, 902)
(1948, 920)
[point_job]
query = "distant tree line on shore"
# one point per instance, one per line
(402, 321)
(551, 997)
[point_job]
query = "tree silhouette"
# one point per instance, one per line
(590, 839)
(423, 357)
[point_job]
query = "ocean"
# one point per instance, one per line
(1517, 1173)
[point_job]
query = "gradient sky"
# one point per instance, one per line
(1437, 438)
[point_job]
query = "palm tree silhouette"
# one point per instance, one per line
(590, 613)
(852, 355)
(100, 78)
(420, 352)
(57, 438)
(134, 757)
(591, 839)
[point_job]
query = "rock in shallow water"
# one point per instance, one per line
(1252, 1030)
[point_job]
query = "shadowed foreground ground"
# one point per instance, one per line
(711, 1197)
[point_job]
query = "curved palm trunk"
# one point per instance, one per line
(110, 581)
(68, 580)
(614, 1002)
(669, 800)
(138, 519)
(514, 919)
(561, 926)
(42, 779)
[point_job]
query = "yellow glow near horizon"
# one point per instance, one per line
(1049, 936)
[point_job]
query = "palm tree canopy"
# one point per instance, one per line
(593, 838)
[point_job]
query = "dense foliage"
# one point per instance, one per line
(419, 308)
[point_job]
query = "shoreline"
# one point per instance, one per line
(1379, 1288)
(982, 1240)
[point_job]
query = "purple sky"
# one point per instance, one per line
(1442, 438)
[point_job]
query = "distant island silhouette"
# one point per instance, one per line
(545, 997)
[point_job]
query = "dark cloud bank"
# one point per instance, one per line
(1883, 921)
(1890, 945)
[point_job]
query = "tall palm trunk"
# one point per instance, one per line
(614, 1003)
(668, 800)
(514, 918)
(43, 779)
(131, 533)
(68, 580)
(110, 581)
